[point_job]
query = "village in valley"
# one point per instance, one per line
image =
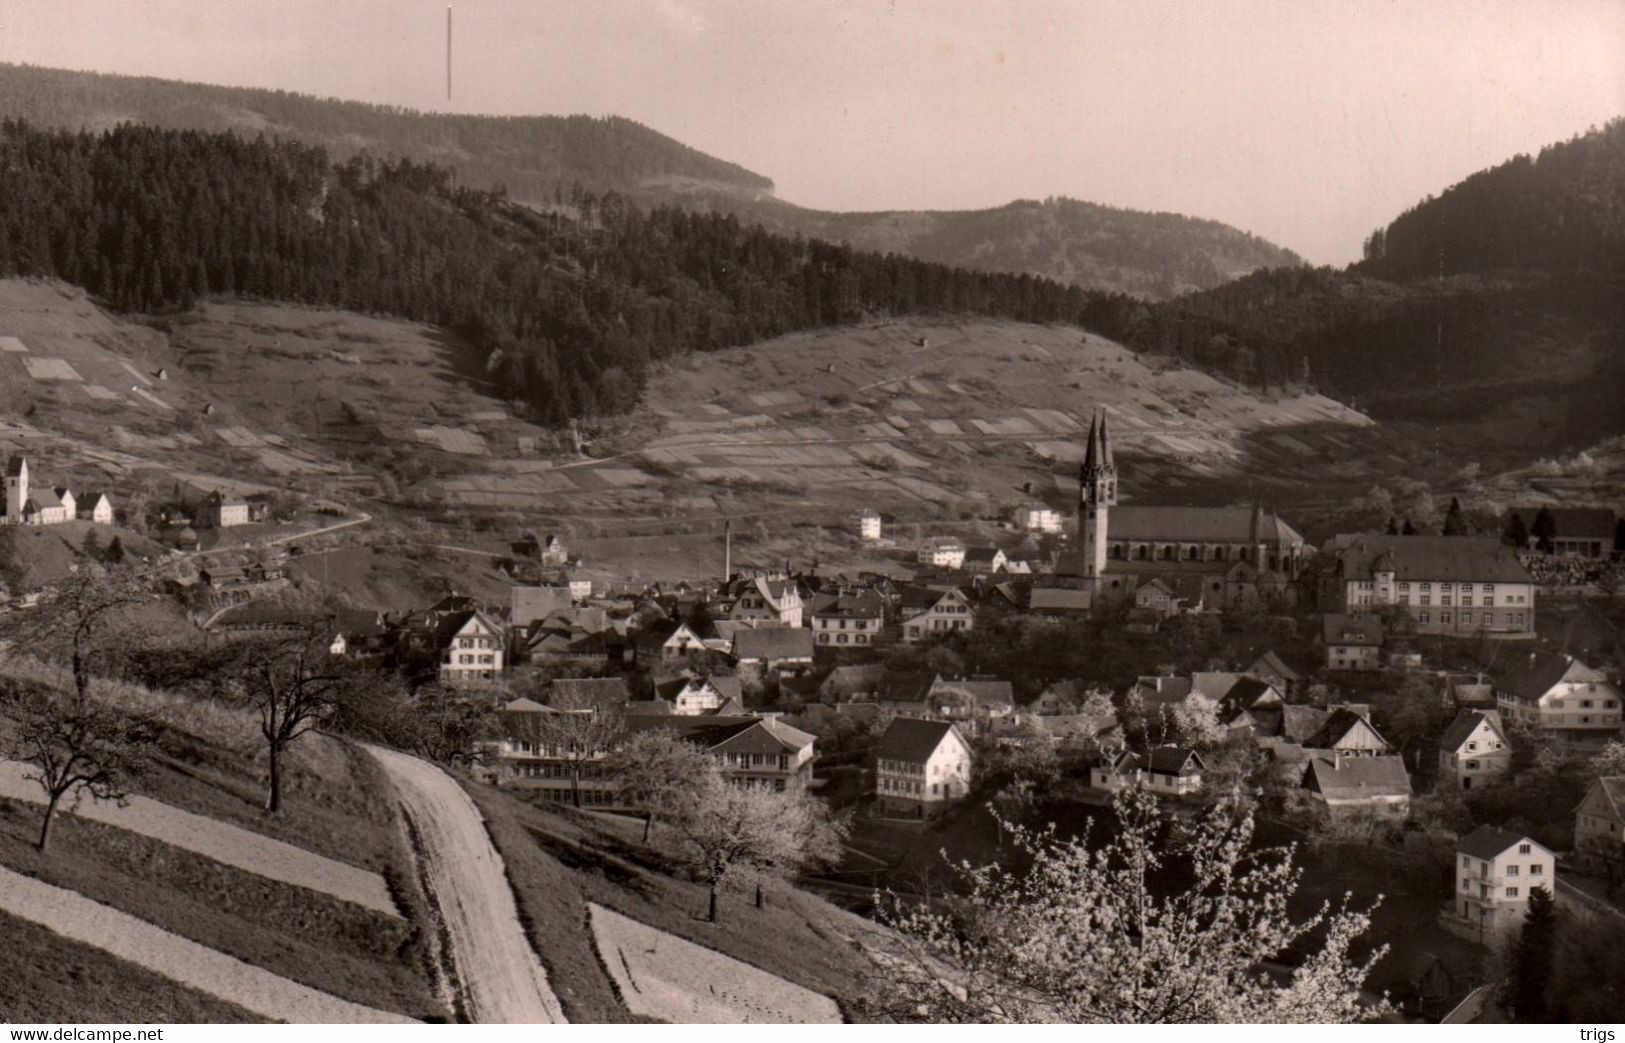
(1425, 706)
(1128, 530)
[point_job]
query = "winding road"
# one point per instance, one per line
(499, 979)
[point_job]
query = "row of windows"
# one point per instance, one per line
(938, 789)
(841, 639)
(478, 642)
(905, 767)
(468, 658)
(825, 623)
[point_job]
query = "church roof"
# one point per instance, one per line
(1197, 525)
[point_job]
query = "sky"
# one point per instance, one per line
(1308, 122)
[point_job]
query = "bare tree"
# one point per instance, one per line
(654, 770)
(572, 729)
(725, 829)
(293, 684)
(1095, 935)
(81, 621)
(75, 745)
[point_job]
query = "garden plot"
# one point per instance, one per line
(278, 462)
(452, 440)
(662, 976)
(240, 438)
(50, 369)
(907, 405)
(769, 399)
(943, 427)
(102, 394)
(12, 345)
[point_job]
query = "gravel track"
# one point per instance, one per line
(74, 916)
(499, 978)
(221, 841)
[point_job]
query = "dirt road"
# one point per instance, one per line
(74, 916)
(499, 978)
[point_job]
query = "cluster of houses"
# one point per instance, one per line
(28, 504)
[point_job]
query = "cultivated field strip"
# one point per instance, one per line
(224, 843)
(498, 974)
(269, 995)
(663, 976)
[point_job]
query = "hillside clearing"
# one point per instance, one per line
(662, 976)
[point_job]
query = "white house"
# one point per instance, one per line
(1035, 517)
(1474, 749)
(1561, 696)
(950, 611)
(773, 600)
(95, 507)
(921, 767)
(701, 695)
(1173, 770)
(1496, 870)
(1353, 642)
(220, 511)
(472, 647)
(944, 552)
(1599, 821)
(26, 505)
(869, 525)
(851, 619)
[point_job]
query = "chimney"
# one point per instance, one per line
(727, 551)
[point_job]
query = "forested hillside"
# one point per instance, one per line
(535, 158)
(1506, 290)
(570, 306)
(540, 160)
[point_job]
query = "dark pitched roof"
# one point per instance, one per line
(773, 643)
(1269, 665)
(1466, 722)
(1058, 599)
(1300, 723)
(14, 466)
(1488, 841)
(1338, 629)
(911, 739)
(1247, 691)
(904, 686)
(1470, 559)
(1199, 525)
(1338, 724)
(1174, 760)
(1353, 777)
(1535, 675)
(978, 693)
(1613, 791)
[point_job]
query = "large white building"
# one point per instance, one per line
(921, 767)
(1452, 585)
(1035, 517)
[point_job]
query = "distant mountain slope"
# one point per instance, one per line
(1504, 297)
(1151, 255)
(535, 157)
(538, 159)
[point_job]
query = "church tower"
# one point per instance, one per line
(1097, 491)
(16, 488)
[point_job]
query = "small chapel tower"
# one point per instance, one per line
(1096, 493)
(16, 488)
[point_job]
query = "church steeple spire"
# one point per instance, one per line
(1097, 491)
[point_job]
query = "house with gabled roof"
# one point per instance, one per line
(971, 702)
(1353, 642)
(1496, 871)
(1599, 820)
(1561, 696)
(1173, 770)
(668, 642)
(1474, 749)
(921, 767)
(1376, 784)
(697, 696)
(859, 682)
(852, 620)
(752, 752)
(472, 645)
(1059, 602)
(1269, 667)
(1115, 770)
(946, 612)
(983, 561)
(1349, 734)
(946, 552)
(1577, 532)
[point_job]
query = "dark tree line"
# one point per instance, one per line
(571, 305)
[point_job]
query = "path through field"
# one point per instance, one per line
(221, 841)
(498, 975)
(269, 995)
